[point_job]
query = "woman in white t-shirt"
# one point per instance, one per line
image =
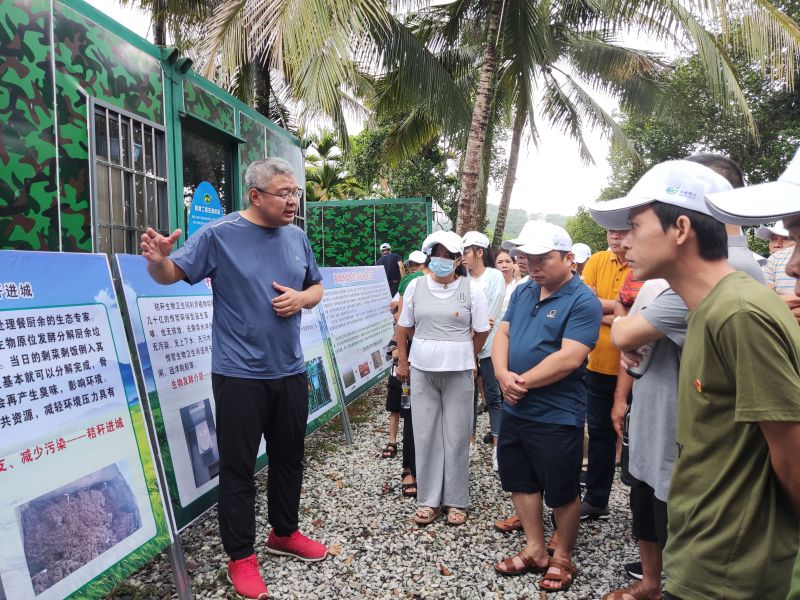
(479, 263)
(508, 269)
(448, 317)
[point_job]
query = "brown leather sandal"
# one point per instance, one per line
(509, 568)
(508, 525)
(564, 577)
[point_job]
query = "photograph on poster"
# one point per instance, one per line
(349, 378)
(319, 395)
(68, 527)
(377, 359)
(201, 440)
(363, 370)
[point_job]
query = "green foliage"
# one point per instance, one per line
(425, 174)
(582, 228)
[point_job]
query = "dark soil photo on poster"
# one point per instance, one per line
(68, 527)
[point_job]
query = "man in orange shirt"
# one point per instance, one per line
(605, 272)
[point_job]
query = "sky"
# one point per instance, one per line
(550, 178)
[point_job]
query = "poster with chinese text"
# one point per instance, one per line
(359, 325)
(80, 505)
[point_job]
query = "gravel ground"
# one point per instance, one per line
(351, 501)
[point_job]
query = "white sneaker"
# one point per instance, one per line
(494, 458)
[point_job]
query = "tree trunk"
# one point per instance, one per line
(159, 23)
(479, 209)
(262, 88)
(520, 119)
(473, 153)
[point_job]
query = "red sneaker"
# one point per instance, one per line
(243, 575)
(296, 545)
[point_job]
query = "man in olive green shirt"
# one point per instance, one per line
(733, 533)
(766, 203)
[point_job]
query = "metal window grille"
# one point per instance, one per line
(130, 180)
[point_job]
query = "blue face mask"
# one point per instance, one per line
(442, 266)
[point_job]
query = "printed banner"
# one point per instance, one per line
(80, 506)
(358, 322)
(171, 328)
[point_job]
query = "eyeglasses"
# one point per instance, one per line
(297, 193)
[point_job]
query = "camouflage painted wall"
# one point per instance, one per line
(208, 107)
(254, 132)
(28, 205)
(92, 61)
(351, 235)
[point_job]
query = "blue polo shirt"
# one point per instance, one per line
(535, 331)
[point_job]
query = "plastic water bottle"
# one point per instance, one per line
(405, 396)
(646, 352)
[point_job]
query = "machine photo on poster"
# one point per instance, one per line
(201, 440)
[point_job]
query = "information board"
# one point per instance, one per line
(171, 328)
(359, 325)
(80, 506)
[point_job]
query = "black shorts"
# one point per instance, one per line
(540, 457)
(649, 514)
(393, 392)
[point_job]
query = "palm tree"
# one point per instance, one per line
(558, 48)
(327, 175)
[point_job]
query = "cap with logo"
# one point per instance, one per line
(582, 252)
(385, 246)
(542, 239)
(448, 239)
(677, 182)
(760, 203)
(766, 233)
(528, 230)
(475, 238)
(417, 257)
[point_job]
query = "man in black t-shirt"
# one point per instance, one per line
(393, 265)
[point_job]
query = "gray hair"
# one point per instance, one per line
(261, 172)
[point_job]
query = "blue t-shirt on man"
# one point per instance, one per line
(243, 259)
(535, 332)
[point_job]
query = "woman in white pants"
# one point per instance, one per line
(449, 320)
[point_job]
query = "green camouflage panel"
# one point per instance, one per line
(28, 202)
(92, 61)
(280, 145)
(252, 131)
(343, 236)
(207, 107)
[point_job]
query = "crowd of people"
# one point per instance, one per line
(671, 343)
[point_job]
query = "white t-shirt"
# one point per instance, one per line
(510, 287)
(493, 284)
(440, 355)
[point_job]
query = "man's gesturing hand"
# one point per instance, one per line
(290, 301)
(156, 247)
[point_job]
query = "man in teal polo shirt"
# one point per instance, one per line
(539, 357)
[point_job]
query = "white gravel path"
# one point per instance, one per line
(351, 501)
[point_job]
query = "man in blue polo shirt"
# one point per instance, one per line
(539, 357)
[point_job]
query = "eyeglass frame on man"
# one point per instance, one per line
(297, 193)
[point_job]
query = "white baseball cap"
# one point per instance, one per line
(475, 238)
(766, 233)
(543, 239)
(582, 252)
(528, 231)
(760, 203)
(418, 257)
(385, 246)
(448, 239)
(680, 183)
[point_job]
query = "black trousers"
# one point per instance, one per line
(246, 410)
(409, 453)
(602, 438)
